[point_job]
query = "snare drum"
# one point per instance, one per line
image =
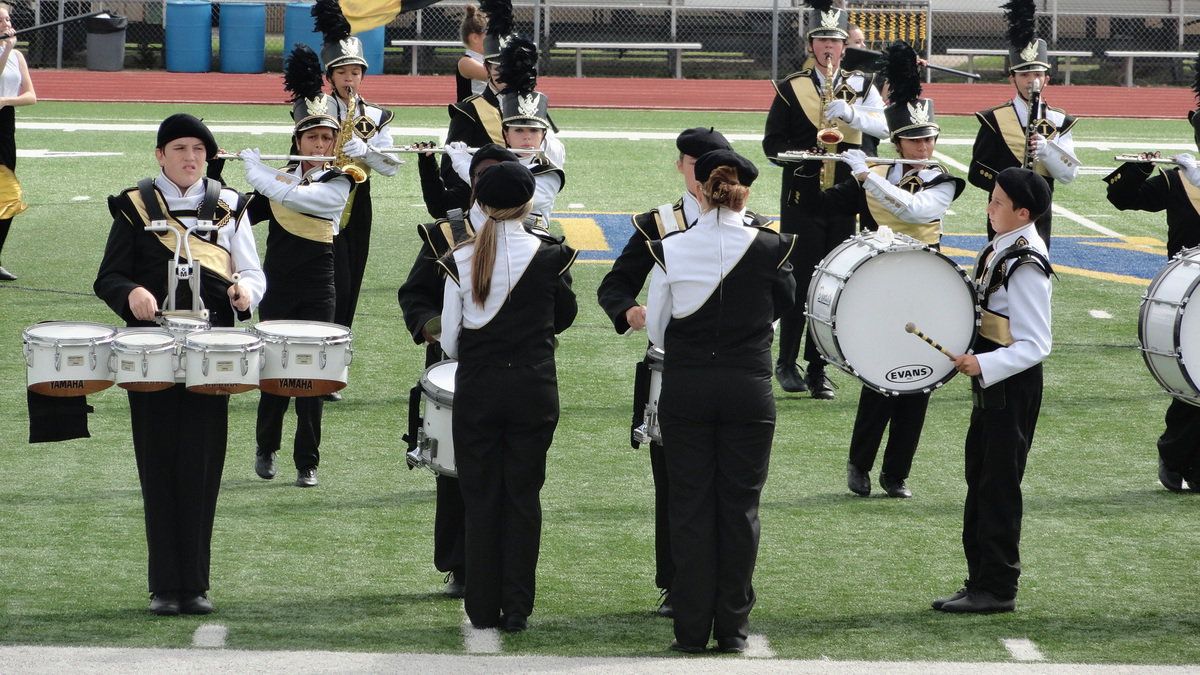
(1168, 334)
(222, 361)
(304, 358)
(68, 358)
(435, 438)
(864, 293)
(649, 429)
(145, 359)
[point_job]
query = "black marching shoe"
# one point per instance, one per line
(958, 595)
(164, 604)
(664, 605)
(455, 587)
(1171, 480)
(677, 646)
(5, 275)
(513, 623)
(306, 477)
(857, 480)
(819, 386)
(196, 604)
(264, 464)
(893, 487)
(979, 602)
(789, 377)
(731, 645)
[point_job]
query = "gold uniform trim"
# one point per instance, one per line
(212, 257)
(489, 116)
(996, 328)
(1192, 192)
(303, 225)
(1014, 134)
(929, 233)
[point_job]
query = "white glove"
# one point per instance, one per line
(355, 147)
(1188, 168)
(251, 156)
(460, 159)
(839, 109)
(1037, 144)
(856, 160)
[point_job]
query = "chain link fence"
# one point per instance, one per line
(740, 39)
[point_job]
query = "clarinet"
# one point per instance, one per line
(1035, 107)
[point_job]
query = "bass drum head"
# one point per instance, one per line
(889, 291)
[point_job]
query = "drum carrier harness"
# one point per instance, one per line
(176, 270)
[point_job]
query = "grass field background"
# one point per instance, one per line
(1110, 558)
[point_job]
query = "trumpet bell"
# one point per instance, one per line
(830, 136)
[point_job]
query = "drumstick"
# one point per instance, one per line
(911, 327)
(237, 276)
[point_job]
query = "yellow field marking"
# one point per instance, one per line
(584, 234)
(1140, 244)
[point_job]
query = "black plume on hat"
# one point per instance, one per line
(819, 5)
(329, 20)
(504, 185)
(1022, 25)
(709, 161)
(499, 16)
(1026, 189)
(517, 67)
(699, 140)
(903, 73)
(183, 125)
(302, 73)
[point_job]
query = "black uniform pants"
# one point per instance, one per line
(1003, 421)
(717, 426)
(816, 236)
(500, 444)
(664, 564)
(1179, 445)
(179, 440)
(302, 302)
(905, 413)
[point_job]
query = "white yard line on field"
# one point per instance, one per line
(210, 635)
(1022, 649)
(757, 647)
(480, 640)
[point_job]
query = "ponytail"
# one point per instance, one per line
(723, 189)
(483, 260)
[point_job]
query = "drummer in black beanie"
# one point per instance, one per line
(507, 294)
(1013, 275)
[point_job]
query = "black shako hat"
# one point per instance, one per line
(699, 140)
(183, 125)
(494, 152)
(1026, 189)
(504, 186)
(706, 163)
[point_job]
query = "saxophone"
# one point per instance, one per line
(355, 169)
(828, 134)
(1035, 106)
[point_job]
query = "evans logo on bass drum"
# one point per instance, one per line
(905, 374)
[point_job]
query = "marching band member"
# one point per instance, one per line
(16, 89)
(806, 102)
(304, 204)
(910, 199)
(179, 464)
(1131, 187)
(714, 293)
(420, 300)
(470, 76)
(508, 293)
(345, 66)
(1012, 274)
(525, 125)
(1013, 135)
(618, 296)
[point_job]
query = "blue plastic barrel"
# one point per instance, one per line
(188, 36)
(243, 36)
(298, 27)
(372, 41)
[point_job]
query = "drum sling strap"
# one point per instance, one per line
(206, 212)
(641, 397)
(414, 423)
(458, 225)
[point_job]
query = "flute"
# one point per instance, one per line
(804, 156)
(279, 158)
(422, 147)
(1145, 158)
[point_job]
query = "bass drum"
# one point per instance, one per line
(866, 291)
(1168, 334)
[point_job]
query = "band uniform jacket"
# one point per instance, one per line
(135, 257)
(476, 122)
(1001, 142)
(1132, 188)
(910, 202)
(619, 289)
(420, 296)
(796, 112)
(1014, 290)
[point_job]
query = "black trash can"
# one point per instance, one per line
(106, 42)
